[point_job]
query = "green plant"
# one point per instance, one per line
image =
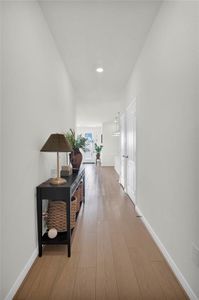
(98, 148)
(78, 142)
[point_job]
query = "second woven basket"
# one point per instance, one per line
(57, 217)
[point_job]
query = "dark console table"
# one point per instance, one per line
(64, 192)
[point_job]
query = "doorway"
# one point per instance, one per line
(93, 135)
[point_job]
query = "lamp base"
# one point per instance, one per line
(57, 181)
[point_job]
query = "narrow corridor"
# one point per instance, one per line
(113, 255)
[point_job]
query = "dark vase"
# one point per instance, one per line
(76, 159)
(98, 156)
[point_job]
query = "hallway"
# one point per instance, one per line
(113, 256)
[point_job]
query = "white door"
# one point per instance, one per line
(123, 150)
(131, 151)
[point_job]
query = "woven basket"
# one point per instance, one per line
(81, 192)
(57, 217)
(77, 195)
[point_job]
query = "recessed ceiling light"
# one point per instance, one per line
(100, 70)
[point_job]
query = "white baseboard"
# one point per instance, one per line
(117, 171)
(168, 258)
(21, 276)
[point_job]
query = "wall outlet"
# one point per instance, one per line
(195, 255)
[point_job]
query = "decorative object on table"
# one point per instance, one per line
(76, 143)
(57, 143)
(52, 233)
(57, 218)
(98, 150)
(66, 171)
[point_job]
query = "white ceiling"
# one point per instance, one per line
(89, 34)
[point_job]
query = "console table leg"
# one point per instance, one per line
(69, 250)
(68, 207)
(39, 222)
(40, 250)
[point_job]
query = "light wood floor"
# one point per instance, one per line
(113, 255)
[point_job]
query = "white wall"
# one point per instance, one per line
(197, 109)
(164, 83)
(110, 144)
(0, 149)
(37, 101)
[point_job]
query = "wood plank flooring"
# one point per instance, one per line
(113, 255)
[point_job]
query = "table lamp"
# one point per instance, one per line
(57, 143)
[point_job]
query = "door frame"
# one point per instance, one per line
(132, 106)
(122, 155)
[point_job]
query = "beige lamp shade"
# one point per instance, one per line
(56, 143)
